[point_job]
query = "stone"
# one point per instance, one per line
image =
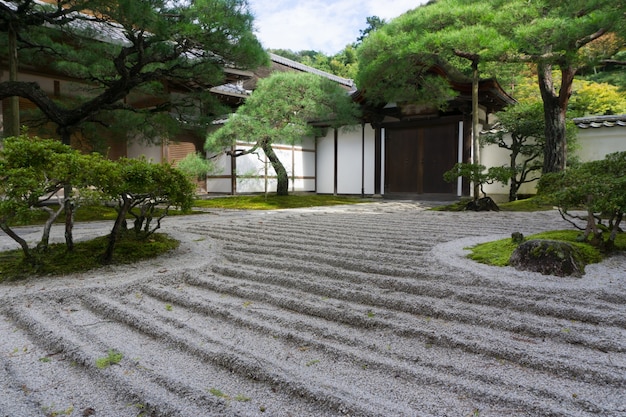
(517, 237)
(548, 257)
(482, 204)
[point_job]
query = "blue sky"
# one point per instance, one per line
(321, 25)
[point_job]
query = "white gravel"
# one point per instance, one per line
(367, 310)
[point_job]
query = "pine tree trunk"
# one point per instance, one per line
(69, 217)
(12, 122)
(555, 109)
(282, 187)
(107, 257)
(23, 244)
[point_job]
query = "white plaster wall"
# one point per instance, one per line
(326, 163)
(221, 165)
(596, 143)
(298, 160)
(492, 156)
(350, 178)
(593, 144)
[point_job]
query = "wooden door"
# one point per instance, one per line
(401, 161)
(417, 157)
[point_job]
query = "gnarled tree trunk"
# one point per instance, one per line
(554, 109)
(127, 200)
(23, 244)
(282, 186)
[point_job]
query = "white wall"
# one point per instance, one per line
(597, 142)
(350, 178)
(326, 163)
(493, 156)
(350, 155)
(252, 169)
(216, 181)
(593, 144)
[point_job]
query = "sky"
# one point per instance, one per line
(320, 25)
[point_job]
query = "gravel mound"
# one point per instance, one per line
(367, 310)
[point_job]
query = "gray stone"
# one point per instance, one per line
(548, 257)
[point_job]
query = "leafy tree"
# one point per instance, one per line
(373, 23)
(606, 58)
(598, 187)
(125, 47)
(396, 62)
(479, 175)
(281, 110)
(142, 188)
(33, 172)
(195, 166)
(590, 98)
(520, 131)
(548, 34)
(127, 55)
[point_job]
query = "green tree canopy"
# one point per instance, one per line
(592, 99)
(546, 33)
(32, 173)
(284, 108)
(596, 186)
(141, 188)
(129, 52)
(520, 130)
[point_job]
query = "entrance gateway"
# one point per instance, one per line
(416, 158)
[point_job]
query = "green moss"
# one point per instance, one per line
(536, 203)
(86, 256)
(456, 206)
(495, 253)
(113, 357)
(498, 252)
(273, 202)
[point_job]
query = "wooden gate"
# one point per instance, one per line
(417, 157)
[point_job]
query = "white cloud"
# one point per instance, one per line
(325, 25)
(390, 9)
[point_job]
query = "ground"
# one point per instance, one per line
(366, 310)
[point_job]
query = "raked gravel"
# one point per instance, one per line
(363, 310)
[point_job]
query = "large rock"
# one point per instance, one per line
(549, 257)
(482, 204)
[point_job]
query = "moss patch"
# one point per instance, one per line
(85, 257)
(498, 253)
(273, 202)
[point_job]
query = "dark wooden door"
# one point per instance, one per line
(417, 157)
(401, 161)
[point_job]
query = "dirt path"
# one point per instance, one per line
(366, 310)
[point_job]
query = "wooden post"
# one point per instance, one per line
(12, 121)
(475, 133)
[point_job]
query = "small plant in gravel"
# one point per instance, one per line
(51, 412)
(113, 357)
(218, 393)
(241, 398)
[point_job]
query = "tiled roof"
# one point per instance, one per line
(601, 121)
(305, 68)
